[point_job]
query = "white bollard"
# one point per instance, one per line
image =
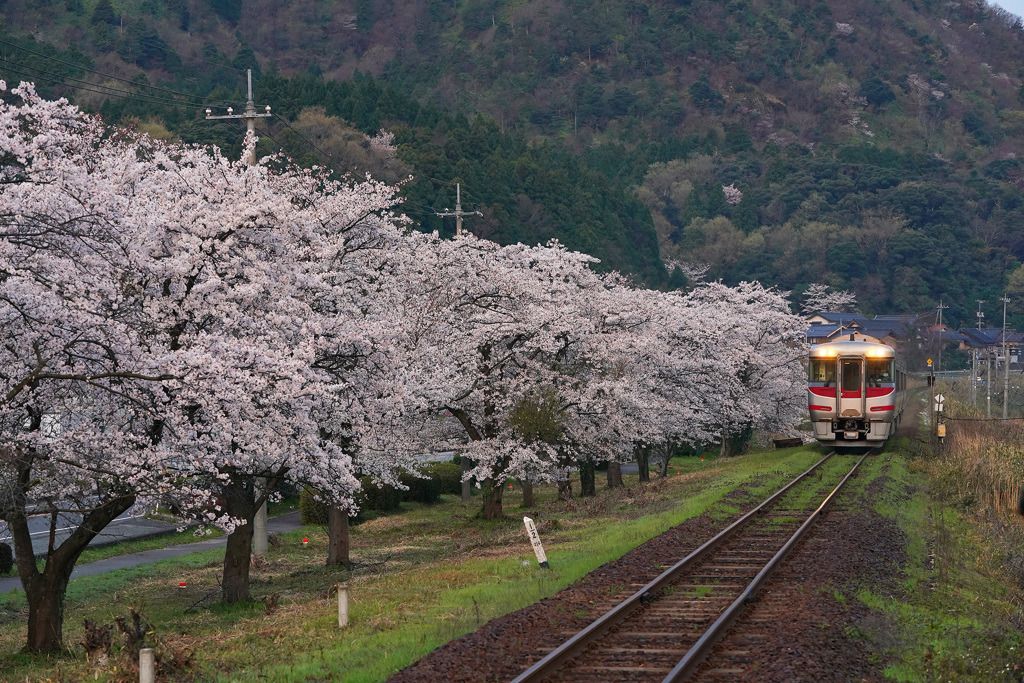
(147, 665)
(538, 549)
(342, 605)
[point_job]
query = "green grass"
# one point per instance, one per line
(951, 616)
(429, 574)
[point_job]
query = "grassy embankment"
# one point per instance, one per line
(955, 613)
(433, 573)
(428, 575)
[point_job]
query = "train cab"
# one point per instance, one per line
(856, 391)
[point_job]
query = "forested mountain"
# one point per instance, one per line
(874, 145)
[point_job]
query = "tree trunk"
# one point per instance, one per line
(615, 476)
(565, 489)
(642, 465)
(45, 590)
(467, 484)
(239, 503)
(338, 537)
(666, 459)
(492, 494)
(735, 444)
(587, 486)
(528, 500)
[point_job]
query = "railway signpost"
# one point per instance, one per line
(939, 398)
(538, 549)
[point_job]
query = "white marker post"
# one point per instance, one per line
(147, 665)
(342, 605)
(538, 549)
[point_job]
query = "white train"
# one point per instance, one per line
(856, 393)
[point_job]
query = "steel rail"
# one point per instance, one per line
(699, 650)
(572, 647)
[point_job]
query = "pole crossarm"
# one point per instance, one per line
(249, 114)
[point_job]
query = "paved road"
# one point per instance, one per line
(279, 524)
(124, 528)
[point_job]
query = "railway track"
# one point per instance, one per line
(667, 629)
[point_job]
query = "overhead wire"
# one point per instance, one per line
(199, 98)
(198, 102)
(109, 91)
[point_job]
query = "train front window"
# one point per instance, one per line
(880, 373)
(822, 372)
(851, 375)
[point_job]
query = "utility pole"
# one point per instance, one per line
(974, 359)
(250, 115)
(940, 307)
(466, 463)
(459, 213)
(1006, 362)
(259, 524)
(988, 385)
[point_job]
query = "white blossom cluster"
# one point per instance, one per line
(732, 194)
(190, 324)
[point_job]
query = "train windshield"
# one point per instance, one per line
(880, 373)
(851, 375)
(822, 372)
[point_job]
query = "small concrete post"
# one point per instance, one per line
(147, 665)
(342, 605)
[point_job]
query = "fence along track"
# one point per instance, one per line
(652, 649)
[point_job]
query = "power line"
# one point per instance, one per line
(100, 73)
(109, 90)
(309, 142)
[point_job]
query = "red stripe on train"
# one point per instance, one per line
(830, 392)
(878, 409)
(822, 408)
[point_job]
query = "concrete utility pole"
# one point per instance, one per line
(974, 359)
(1006, 362)
(459, 213)
(250, 115)
(940, 307)
(259, 525)
(467, 464)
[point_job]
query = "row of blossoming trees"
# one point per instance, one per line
(176, 328)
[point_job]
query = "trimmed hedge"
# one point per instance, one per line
(378, 498)
(448, 476)
(426, 491)
(442, 477)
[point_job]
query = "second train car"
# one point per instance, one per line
(857, 391)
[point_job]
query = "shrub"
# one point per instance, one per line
(448, 476)
(379, 498)
(311, 510)
(6, 559)
(427, 491)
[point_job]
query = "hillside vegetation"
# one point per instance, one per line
(869, 144)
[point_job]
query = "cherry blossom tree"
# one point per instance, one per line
(80, 394)
(822, 298)
(757, 347)
(176, 327)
